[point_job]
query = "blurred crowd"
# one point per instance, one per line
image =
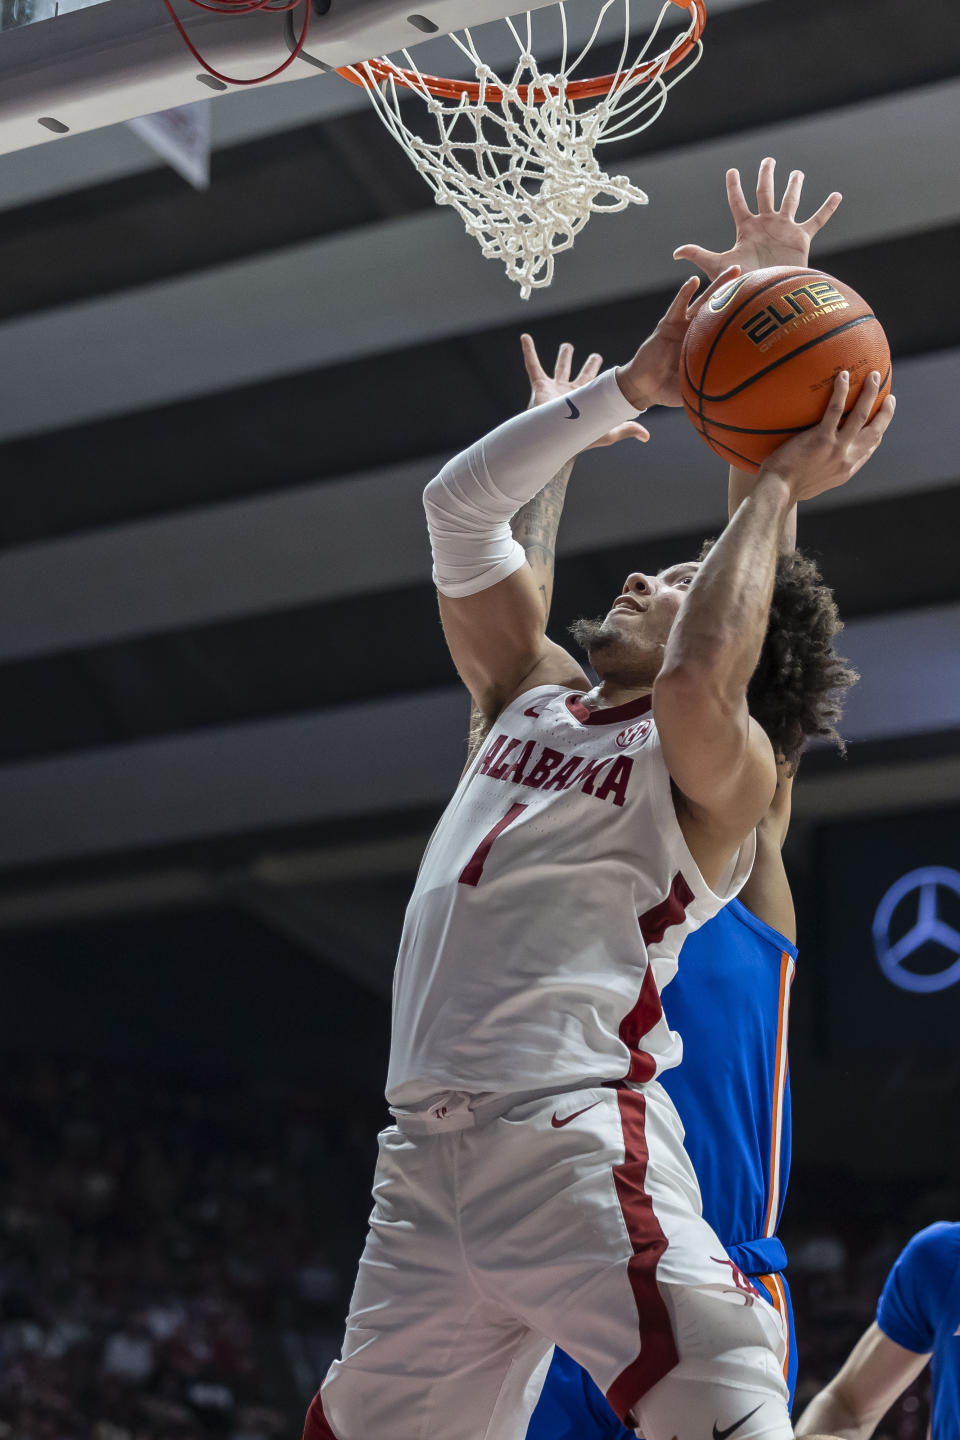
(176, 1259)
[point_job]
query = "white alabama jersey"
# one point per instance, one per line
(549, 911)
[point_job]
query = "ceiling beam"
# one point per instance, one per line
(369, 759)
(300, 873)
(387, 286)
(353, 939)
(880, 790)
(97, 65)
(178, 883)
(366, 533)
(97, 157)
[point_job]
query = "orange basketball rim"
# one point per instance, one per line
(382, 69)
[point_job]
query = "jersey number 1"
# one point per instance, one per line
(473, 869)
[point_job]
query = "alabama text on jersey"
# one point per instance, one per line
(549, 910)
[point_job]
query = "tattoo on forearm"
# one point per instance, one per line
(536, 525)
(535, 528)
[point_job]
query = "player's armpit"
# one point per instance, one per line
(874, 1375)
(777, 818)
(721, 764)
(498, 644)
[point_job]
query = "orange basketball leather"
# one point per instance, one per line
(760, 358)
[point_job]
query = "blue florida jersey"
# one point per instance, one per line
(920, 1310)
(730, 1002)
(733, 983)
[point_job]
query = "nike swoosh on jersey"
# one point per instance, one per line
(722, 1434)
(559, 1124)
(574, 412)
(534, 714)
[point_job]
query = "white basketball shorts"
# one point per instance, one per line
(572, 1219)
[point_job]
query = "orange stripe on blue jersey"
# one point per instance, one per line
(781, 1063)
(730, 1003)
(773, 1285)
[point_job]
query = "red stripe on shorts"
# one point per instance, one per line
(658, 1348)
(317, 1426)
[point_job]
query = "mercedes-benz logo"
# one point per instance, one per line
(928, 929)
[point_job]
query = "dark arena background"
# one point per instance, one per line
(229, 721)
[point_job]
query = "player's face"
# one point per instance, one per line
(649, 604)
(628, 643)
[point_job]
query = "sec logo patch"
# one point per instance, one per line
(634, 734)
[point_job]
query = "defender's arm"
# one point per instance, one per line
(875, 1374)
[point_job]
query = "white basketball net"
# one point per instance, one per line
(519, 166)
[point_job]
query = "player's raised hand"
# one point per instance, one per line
(544, 387)
(827, 455)
(771, 236)
(653, 375)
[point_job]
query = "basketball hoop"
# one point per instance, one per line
(515, 156)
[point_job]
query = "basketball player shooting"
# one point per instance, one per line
(534, 1188)
(735, 972)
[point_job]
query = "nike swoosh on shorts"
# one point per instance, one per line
(559, 1124)
(722, 1434)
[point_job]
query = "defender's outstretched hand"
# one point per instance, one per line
(772, 236)
(653, 375)
(826, 456)
(544, 387)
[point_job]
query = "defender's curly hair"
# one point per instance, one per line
(796, 692)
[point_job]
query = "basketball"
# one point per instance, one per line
(760, 358)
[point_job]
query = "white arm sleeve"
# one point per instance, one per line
(470, 503)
